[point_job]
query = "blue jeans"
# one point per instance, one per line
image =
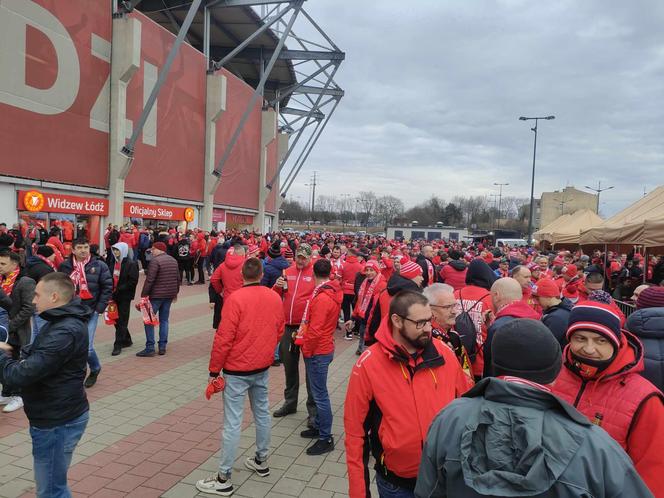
(389, 490)
(93, 359)
(316, 369)
(37, 323)
(52, 450)
(236, 388)
(162, 308)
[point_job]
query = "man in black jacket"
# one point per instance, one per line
(94, 285)
(424, 259)
(50, 374)
(125, 279)
(16, 294)
(36, 266)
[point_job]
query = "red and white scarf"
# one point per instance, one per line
(47, 261)
(116, 274)
(9, 281)
(367, 290)
(80, 280)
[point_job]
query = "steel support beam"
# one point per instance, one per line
(290, 89)
(306, 156)
(256, 95)
(314, 90)
(174, 22)
(302, 113)
(244, 3)
(206, 35)
(286, 54)
(128, 149)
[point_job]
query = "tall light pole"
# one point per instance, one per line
(500, 196)
(532, 180)
(598, 190)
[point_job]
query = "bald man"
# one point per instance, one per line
(507, 298)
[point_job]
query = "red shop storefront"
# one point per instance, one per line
(157, 215)
(76, 216)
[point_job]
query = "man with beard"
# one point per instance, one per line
(396, 388)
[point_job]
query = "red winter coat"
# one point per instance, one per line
(227, 278)
(249, 333)
(55, 242)
(395, 397)
(454, 274)
(323, 320)
(349, 270)
(301, 285)
(128, 239)
(631, 408)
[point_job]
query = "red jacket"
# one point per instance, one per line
(631, 408)
(480, 315)
(395, 397)
(349, 270)
(248, 335)
(301, 285)
(227, 278)
(128, 239)
(454, 274)
(323, 320)
(55, 242)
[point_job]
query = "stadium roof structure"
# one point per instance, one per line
(290, 73)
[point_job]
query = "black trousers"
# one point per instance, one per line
(290, 357)
(216, 317)
(186, 266)
(200, 266)
(347, 307)
(122, 336)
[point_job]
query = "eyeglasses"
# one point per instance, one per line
(419, 324)
(446, 307)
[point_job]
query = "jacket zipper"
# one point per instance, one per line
(297, 282)
(580, 393)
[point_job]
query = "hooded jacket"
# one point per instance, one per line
(349, 270)
(557, 318)
(625, 404)
(323, 320)
(392, 398)
(380, 304)
(504, 439)
(273, 269)
(648, 325)
(454, 274)
(517, 309)
(51, 370)
(227, 278)
(128, 279)
(248, 335)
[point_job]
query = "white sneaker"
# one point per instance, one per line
(5, 399)
(16, 403)
(213, 486)
(257, 466)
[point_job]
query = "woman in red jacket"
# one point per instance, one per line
(601, 378)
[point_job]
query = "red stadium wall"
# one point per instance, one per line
(174, 168)
(45, 109)
(239, 177)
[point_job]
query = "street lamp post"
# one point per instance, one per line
(500, 197)
(598, 190)
(532, 180)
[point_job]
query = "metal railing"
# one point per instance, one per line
(625, 307)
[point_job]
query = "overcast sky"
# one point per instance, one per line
(434, 90)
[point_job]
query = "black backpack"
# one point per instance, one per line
(465, 327)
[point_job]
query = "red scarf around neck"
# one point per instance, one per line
(47, 261)
(79, 278)
(9, 281)
(367, 290)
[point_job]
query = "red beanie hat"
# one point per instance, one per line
(652, 297)
(571, 271)
(547, 288)
(410, 270)
(160, 246)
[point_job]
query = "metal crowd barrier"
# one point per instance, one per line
(626, 308)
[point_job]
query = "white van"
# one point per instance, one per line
(511, 242)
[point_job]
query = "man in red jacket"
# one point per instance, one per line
(243, 350)
(601, 378)
(319, 322)
(349, 271)
(396, 388)
(295, 286)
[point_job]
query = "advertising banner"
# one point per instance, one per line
(157, 212)
(36, 201)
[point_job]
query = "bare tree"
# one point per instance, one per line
(367, 202)
(388, 207)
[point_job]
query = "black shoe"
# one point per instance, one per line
(321, 447)
(92, 378)
(358, 352)
(276, 363)
(282, 412)
(190, 283)
(116, 350)
(128, 344)
(310, 433)
(146, 354)
(162, 351)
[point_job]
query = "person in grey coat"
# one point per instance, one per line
(509, 436)
(16, 294)
(647, 323)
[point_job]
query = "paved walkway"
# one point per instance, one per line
(152, 433)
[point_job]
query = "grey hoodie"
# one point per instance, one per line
(506, 439)
(123, 248)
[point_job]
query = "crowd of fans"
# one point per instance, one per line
(481, 370)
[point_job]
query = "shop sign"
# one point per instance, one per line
(36, 201)
(239, 219)
(218, 215)
(156, 212)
